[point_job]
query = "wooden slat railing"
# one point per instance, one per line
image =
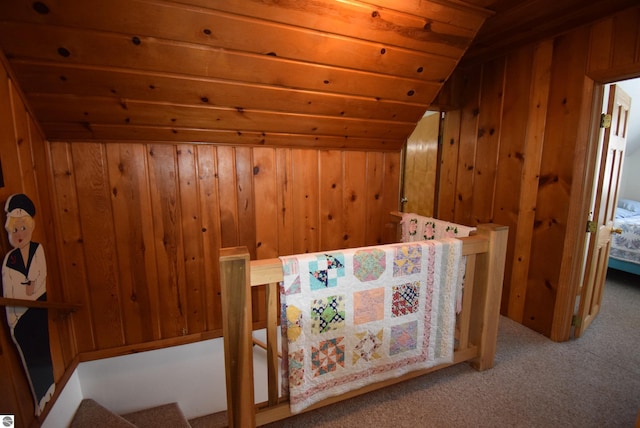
(477, 323)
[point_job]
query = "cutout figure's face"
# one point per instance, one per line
(20, 231)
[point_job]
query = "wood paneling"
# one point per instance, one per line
(324, 74)
(25, 162)
(152, 218)
(421, 166)
(302, 160)
(535, 157)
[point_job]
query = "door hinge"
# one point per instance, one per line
(592, 226)
(605, 120)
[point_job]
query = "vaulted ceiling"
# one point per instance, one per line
(318, 73)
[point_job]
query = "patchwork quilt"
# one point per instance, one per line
(357, 316)
(417, 228)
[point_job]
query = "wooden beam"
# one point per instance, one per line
(487, 294)
(238, 353)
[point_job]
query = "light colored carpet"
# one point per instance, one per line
(166, 416)
(91, 414)
(593, 381)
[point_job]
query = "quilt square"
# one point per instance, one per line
(429, 230)
(407, 260)
(327, 314)
(325, 271)
(296, 368)
(404, 337)
(369, 265)
(405, 299)
(328, 356)
(291, 284)
(293, 325)
(368, 345)
(368, 305)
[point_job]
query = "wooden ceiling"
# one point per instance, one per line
(319, 73)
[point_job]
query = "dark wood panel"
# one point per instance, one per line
(540, 189)
(528, 21)
(488, 141)
(556, 175)
(467, 150)
(448, 168)
(511, 159)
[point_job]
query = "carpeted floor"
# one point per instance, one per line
(590, 382)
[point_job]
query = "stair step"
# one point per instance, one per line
(92, 414)
(214, 420)
(166, 415)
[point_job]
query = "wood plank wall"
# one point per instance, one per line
(517, 152)
(25, 169)
(132, 230)
(142, 225)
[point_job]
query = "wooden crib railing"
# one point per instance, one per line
(476, 325)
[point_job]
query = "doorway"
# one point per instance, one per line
(609, 185)
(420, 166)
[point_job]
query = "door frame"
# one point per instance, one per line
(582, 191)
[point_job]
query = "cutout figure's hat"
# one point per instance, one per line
(19, 205)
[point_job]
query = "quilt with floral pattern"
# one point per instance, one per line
(358, 316)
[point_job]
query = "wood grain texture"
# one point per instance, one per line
(421, 165)
(488, 141)
(331, 196)
(347, 74)
(168, 209)
(128, 179)
(166, 217)
(209, 197)
(448, 168)
(542, 177)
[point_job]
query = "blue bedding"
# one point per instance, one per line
(625, 247)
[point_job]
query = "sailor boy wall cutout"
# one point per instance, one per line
(24, 274)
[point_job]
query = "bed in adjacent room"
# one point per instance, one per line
(625, 247)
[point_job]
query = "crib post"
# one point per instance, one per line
(487, 294)
(235, 287)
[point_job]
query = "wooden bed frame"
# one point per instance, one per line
(476, 325)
